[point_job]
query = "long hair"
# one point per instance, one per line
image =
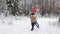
(32, 13)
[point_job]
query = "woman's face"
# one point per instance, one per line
(36, 5)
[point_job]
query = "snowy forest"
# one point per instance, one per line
(15, 16)
(24, 7)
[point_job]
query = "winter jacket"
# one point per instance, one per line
(34, 9)
(33, 18)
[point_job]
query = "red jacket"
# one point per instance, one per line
(34, 9)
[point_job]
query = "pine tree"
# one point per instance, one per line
(13, 6)
(8, 2)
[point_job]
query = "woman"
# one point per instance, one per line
(33, 21)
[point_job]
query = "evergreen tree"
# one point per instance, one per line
(13, 6)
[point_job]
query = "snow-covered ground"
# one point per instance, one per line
(21, 25)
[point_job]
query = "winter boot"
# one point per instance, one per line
(32, 29)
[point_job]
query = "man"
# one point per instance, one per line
(34, 10)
